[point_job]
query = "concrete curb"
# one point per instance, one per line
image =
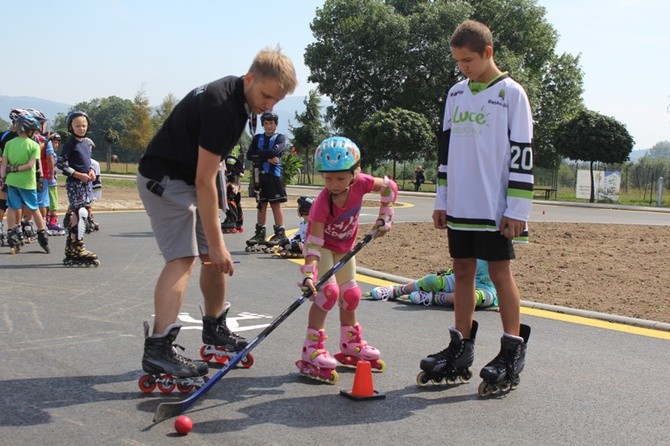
(643, 323)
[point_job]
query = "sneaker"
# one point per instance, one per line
(386, 292)
(421, 297)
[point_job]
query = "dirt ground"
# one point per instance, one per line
(615, 269)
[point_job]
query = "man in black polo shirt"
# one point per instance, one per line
(177, 182)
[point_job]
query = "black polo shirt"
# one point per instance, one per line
(212, 116)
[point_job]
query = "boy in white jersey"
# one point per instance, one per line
(484, 194)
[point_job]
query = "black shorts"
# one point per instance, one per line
(483, 245)
(272, 189)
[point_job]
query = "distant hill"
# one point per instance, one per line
(635, 155)
(286, 109)
(49, 108)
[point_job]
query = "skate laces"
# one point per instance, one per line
(421, 297)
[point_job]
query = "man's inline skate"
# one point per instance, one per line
(221, 344)
(257, 242)
(451, 363)
(3, 236)
(76, 254)
(14, 241)
(316, 362)
(43, 240)
(354, 349)
(167, 369)
(502, 373)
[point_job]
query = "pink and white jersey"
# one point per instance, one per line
(340, 223)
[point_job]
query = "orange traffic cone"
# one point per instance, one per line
(362, 389)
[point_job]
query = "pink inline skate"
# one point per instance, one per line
(354, 348)
(316, 362)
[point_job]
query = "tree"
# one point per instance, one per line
(399, 135)
(105, 114)
(369, 56)
(4, 125)
(590, 136)
(307, 136)
(163, 111)
(139, 127)
(660, 150)
(559, 99)
(375, 55)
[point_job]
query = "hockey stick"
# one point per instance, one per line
(169, 410)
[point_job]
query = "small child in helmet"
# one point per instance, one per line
(331, 234)
(296, 245)
(438, 289)
(75, 163)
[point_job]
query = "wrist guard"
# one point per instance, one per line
(309, 272)
(388, 195)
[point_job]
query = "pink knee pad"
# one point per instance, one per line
(351, 295)
(327, 296)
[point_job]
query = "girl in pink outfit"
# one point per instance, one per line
(331, 233)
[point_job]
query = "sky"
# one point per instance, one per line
(95, 49)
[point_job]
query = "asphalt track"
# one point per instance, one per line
(71, 344)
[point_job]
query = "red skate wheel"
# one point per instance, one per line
(147, 383)
(205, 356)
(247, 361)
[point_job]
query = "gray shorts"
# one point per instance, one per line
(174, 218)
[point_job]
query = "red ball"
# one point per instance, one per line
(183, 425)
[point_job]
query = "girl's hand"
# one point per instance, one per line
(376, 228)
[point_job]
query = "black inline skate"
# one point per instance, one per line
(451, 363)
(502, 373)
(91, 225)
(277, 242)
(292, 250)
(166, 368)
(221, 344)
(76, 254)
(3, 236)
(14, 241)
(229, 226)
(43, 240)
(257, 242)
(28, 230)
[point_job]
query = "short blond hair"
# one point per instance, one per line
(472, 35)
(270, 63)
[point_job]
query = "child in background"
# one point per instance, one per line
(52, 216)
(234, 221)
(296, 245)
(331, 234)
(438, 289)
(95, 189)
(19, 159)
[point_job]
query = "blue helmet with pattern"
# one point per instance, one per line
(337, 154)
(26, 123)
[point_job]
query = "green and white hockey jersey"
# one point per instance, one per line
(486, 156)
